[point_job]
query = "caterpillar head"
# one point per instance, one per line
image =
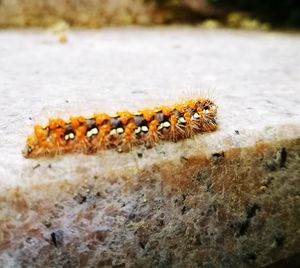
(33, 144)
(30, 147)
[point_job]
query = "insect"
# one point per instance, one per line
(122, 130)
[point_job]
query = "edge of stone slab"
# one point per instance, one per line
(170, 177)
(79, 168)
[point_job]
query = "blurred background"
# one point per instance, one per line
(249, 14)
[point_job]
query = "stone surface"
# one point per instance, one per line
(221, 199)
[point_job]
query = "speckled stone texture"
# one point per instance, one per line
(239, 207)
(224, 199)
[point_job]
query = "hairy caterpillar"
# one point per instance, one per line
(123, 130)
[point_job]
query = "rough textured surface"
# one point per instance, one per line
(223, 199)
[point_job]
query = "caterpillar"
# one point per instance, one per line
(122, 130)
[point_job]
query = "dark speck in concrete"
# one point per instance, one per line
(57, 238)
(250, 257)
(279, 240)
(36, 166)
(218, 155)
(242, 226)
(184, 159)
(80, 198)
(47, 223)
(282, 158)
(251, 211)
(142, 245)
(278, 162)
(100, 235)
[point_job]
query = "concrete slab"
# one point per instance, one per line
(254, 78)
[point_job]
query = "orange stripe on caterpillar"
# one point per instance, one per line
(123, 130)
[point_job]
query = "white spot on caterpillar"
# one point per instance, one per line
(137, 130)
(166, 124)
(92, 132)
(181, 120)
(113, 132)
(120, 130)
(196, 116)
(69, 136)
(145, 128)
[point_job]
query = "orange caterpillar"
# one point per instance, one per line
(123, 130)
